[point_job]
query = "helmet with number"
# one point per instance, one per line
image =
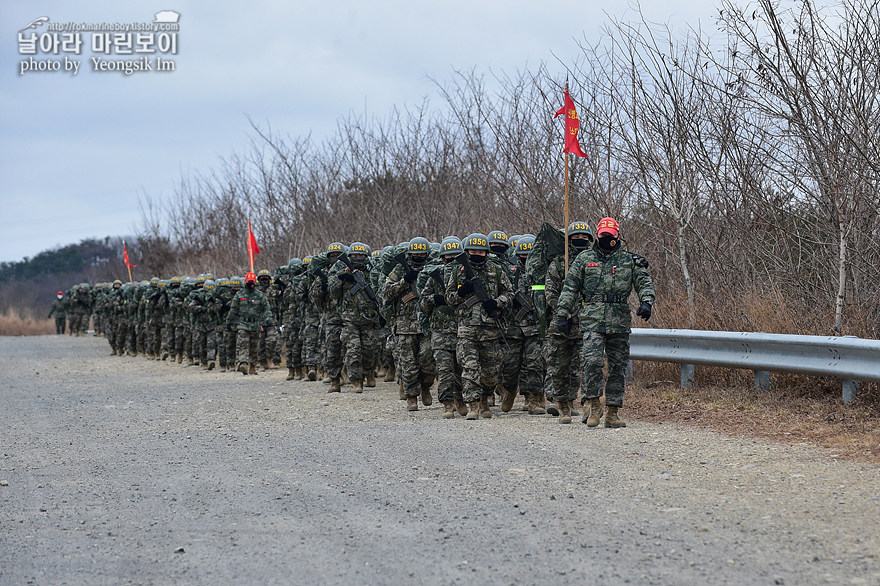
(498, 241)
(514, 240)
(335, 249)
(75, 288)
(450, 247)
(524, 244)
(223, 282)
(608, 233)
(154, 281)
(117, 283)
(418, 250)
(174, 282)
(264, 276)
(209, 284)
(250, 278)
(476, 241)
(579, 228)
(376, 254)
(236, 282)
(162, 283)
(580, 237)
(210, 276)
(307, 260)
(358, 253)
(294, 262)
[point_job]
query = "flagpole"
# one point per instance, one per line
(566, 213)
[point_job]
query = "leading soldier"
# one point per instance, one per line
(601, 278)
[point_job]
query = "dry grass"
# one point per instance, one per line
(14, 323)
(805, 410)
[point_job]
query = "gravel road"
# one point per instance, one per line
(127, 471)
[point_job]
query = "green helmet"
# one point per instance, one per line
(209, 277)
(174, 282)
(419, 245)
(499, 243)
(201, 279)
(162, 283)
(307, 260)
(117, 282)
(579, 228)
(476, 241)
(336, 248)
(376, 254)
(236, 282)
(359, 248)
(294, 263)
(209, 284)
(264, 273)
(223, 282)
(450, 245)
(524, 244)
(154, 281)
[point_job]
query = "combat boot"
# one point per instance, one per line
(537, 405)
(252, 369)
(276, 364)
(427, 399)
(179, 358)
(473, 410)
(299, 373)
(611, 418)
(490, 399)
(243, 368)
(564, 411)
(357, 385)
(165, 355)
(211, 365)
(112, 351)
(507, 399)
(448, 410)
(572, 406)
(327, 380)
(412, 403)
(400, 389)
(312, 373)
(264, 364)
(371, 379)
(291, 373)
(390, 374)
(485, 412)
(335, 385)
(593, 412)
(527, 401)
(553, 409)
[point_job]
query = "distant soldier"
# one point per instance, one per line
(59, 312)
(270, 345)
(599, 283)
(248, 314)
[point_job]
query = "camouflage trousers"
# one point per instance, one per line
(270, 346)
(360, 350)
(59, 324)
(168, 331)
(523, 365)
(443, 345)
(386, 356)
(616, 348)
(180, 339)
(564, 366)
(215, 348)
(481, 365)
(141, 337)
(247, 344)
(310, 352)
(154, 337)
(333, 349)
(293, 344)
(416, 366)
(200, 344)
(229, 342)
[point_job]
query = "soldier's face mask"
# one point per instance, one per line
(521, 258)
(498, 249)
(358, 260)
(607, 242)
(579, 243)
(418, 259)
(477, 260)
(263, 280)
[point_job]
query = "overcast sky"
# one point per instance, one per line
(77, 151)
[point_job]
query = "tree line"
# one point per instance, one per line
(742, 163)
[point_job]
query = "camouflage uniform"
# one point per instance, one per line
(58, 310)
(270, 345)
(444, 330)
(563, 350)
(478, 335)
(293, 322)
(157, 306)
(360, 318)
(311, 323)
(524, 364)
(195, 306)
(416, 366)
(602, 281)
(248, 313)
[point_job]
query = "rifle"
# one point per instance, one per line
(480, 293)
(401, 258)
(437, 275)
(360, 284)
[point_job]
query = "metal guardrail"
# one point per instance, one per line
(847, 358)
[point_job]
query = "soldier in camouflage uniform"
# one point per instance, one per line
(219, 303)
(601, 279)
(478, 334)
(524, 365)
(311, 323)
(360, 317)
(157, 306)
(564, 346)
(230, 336)
(248, 314)
(116, 328)
(59, 312)
(443, 326)
(178, 293)
(499, 249)
(331, 321)
(143, 290)
(292, 320)
(270, 346)
(194, 306)
(416, 366)
(168, 325)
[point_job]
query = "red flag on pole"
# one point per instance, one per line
(252, 246)
(572, 125)
(125, 256)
